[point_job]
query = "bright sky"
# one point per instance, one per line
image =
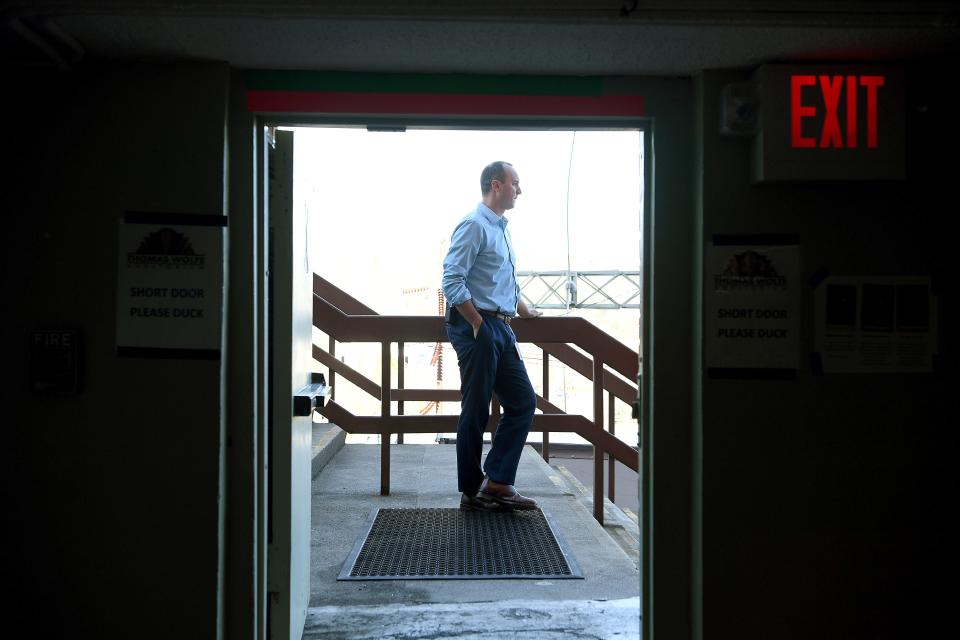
(383, 204)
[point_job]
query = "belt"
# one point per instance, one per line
(494, 314)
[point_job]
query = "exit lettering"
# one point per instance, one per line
(826, 93)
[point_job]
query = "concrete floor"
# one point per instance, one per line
(580, 464)
(605, 604)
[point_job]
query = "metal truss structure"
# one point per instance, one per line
(581, 289)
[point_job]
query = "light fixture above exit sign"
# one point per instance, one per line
(829, 122)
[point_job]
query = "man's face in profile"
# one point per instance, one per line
(509, 188)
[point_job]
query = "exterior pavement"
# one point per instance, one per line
(605, 604)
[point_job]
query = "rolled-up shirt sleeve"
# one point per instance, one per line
(464, 247)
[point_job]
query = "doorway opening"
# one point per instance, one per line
(376, 207)
(398, 191)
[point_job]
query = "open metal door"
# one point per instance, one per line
(645, 386)
(291, 319)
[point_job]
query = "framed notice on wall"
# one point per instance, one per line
(875, 324)
(170, 285)
(752, 306)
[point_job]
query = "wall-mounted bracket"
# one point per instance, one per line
(311, 396)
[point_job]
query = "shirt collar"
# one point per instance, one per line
(490, 216)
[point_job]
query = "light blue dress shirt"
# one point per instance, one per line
(480, 264)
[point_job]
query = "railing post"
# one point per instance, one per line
(385, 412)
(400, 385)
(333, 352)
(611, 482)
(546, 396)
(598, 426)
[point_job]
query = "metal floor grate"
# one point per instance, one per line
(424, 544)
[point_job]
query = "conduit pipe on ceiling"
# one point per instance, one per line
(46, 35)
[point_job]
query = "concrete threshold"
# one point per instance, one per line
(525, 619)
(347, 490)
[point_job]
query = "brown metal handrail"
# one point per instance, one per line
(344, 318)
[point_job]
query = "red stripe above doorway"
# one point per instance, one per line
(379, 94)
(439, 103)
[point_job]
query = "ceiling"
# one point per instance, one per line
(603, 37)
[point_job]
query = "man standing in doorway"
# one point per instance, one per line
(480, 285)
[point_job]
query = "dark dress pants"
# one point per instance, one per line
(490, 363)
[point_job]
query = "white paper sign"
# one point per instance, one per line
(752, 306)
(169, 285)
(875, 324)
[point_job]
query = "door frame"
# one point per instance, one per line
(248, 340)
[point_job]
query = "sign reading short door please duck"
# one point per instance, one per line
(752, 303)
(170, 285)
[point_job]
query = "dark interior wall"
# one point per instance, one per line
(826, 498)
(111, 494)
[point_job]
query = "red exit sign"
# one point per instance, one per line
(838, 98)
(829, 122)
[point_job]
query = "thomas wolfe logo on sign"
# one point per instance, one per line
(750, 271)
(166, 249)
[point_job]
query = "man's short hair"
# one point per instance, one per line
(491, 172)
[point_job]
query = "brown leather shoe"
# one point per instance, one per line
(505, 495)
(476, 503)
